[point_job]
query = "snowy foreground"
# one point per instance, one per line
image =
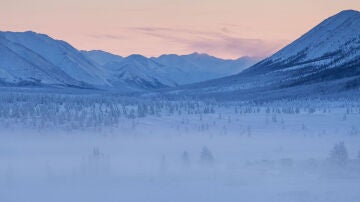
(105, 148)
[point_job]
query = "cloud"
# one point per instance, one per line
(106, 36)
(237, 46)
(221, 43)
(174, 31)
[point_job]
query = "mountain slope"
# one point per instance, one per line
(101, 57)
(139, 71)
(21, 66)
(324, 60)
(334, 41)
(28, 57)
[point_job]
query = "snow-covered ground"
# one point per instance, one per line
(104, 148)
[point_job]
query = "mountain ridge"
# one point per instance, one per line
(174, 70)
(30, 58)
(324, 60)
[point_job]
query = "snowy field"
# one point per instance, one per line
(109, 149)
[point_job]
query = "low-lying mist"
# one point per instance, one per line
(104, 150)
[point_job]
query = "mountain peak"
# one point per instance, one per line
(199, 54)
(32, 33)
(348, 12)
(345, 15)
(136, 57)
(101, 57)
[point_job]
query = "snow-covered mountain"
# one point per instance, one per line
(139, 71)
(135, 71)
(324, 60)
(334, 42)
(166, 70)
(28, 58)
(198, 67)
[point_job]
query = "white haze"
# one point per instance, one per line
(269, 152)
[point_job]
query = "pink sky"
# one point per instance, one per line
(224, 28)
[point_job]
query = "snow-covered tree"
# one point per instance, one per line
(185, 158)
(339, 154)
(206, 156)
(163, 163)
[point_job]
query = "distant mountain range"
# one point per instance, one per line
(325, 60)
(167, 70)
(32, 59)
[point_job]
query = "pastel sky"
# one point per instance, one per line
(224, 28)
